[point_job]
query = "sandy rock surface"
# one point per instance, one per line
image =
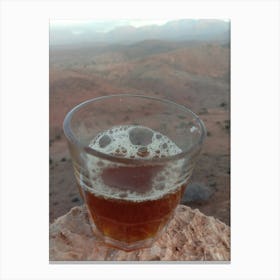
(190, 236)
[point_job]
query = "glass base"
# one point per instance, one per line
(141, 244)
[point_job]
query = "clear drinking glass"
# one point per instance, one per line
(132, 156)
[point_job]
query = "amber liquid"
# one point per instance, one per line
(128, 220)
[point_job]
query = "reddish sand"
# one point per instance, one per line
(195, 77)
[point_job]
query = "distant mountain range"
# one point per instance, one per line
(179, 30)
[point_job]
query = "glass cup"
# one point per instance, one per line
(132, 156)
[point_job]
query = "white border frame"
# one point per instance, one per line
(254, 143)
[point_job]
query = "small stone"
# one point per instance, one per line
(196, 192)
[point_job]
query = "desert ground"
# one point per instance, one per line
(194, 74)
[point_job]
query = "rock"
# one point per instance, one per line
(196, 192)
(75, 199)
(190, 236)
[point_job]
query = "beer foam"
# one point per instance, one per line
(136, 142)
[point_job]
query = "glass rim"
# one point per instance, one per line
(71, 137)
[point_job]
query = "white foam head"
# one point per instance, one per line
(133, 142)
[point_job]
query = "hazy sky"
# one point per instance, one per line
(107, 25)
(63, 30)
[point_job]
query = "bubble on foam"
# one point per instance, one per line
(143, 152)
(164, 145)
(104, 140)
(123, 195)
(131, 141)
(140, 135)
(100, 163)
(156, 145)
(160, 187)
(160, 178)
